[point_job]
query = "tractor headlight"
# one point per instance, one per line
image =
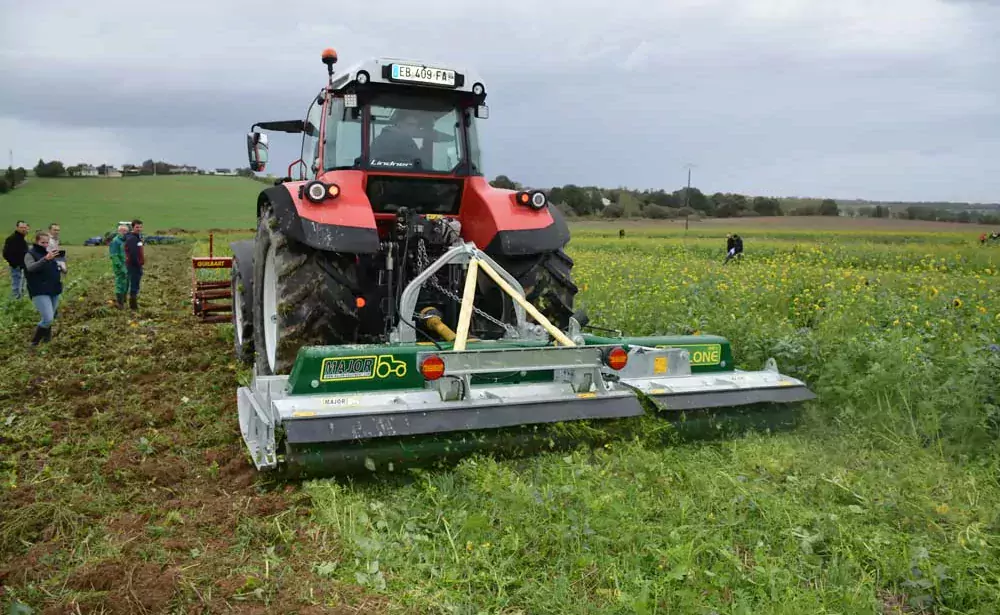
(535, 199)
(317, 192)
(538, 199)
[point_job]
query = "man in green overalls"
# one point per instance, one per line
(117, 250)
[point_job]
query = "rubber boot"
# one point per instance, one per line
(39, 336)
(120, 301)
(133, 302)
(47, 335)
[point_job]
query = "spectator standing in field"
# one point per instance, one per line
(135, 259)
(14, 250)
(44, 285)
(734, 248)
(116, 249)
(730, 247)
(54, 246)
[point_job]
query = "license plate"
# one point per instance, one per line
(423, 74)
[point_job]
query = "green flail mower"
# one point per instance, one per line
(375, 405)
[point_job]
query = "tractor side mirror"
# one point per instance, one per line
(482, 112)
(257, 150)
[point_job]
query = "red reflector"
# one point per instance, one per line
(617, 358)
(432, 367)
(360, 302)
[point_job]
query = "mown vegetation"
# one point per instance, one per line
(124, 487)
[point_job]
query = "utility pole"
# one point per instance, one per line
(687, 194)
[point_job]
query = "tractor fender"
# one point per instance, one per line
(523, 242)
(358, 237)
(501, 227)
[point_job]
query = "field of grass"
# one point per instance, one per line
(124, 487)
(87, 207)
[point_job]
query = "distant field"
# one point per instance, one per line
(88, 207)
(779, 225)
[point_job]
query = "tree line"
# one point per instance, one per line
(661, 204)
(12, 178)
(56, 168)
(594, 201)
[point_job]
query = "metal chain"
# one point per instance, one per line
(423, 261)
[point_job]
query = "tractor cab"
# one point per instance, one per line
(398, 119)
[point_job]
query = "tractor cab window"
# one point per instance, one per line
(310, 140)
(343, 137)
(415, 134)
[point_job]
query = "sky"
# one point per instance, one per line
(872, 99)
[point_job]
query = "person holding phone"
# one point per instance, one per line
(44, 280)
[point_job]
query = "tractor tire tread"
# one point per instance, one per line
(313, 306)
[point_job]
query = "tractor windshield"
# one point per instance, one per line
(407, 133)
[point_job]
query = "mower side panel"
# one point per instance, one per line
(500, 227)
(707, 353)
(373, 368)
(342, 224)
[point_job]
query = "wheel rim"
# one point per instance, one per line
(238, 310)
(270, 309)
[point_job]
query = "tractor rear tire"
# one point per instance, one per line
(547, 282)
(302, 297)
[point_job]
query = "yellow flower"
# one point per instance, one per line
(957, 302)
(942, 509)
(982, 310)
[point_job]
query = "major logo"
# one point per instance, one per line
(340, 369)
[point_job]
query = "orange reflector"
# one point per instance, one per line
(360, 302)
(432, 367)
(525, 197)
(333, 190)
(617, 358)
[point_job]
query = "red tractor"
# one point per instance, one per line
(389, 179)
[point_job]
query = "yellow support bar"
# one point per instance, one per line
(465, 316)
(542, 320)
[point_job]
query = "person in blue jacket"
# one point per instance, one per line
(135, 260)
(44, 281)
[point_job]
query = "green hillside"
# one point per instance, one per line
(86, 207)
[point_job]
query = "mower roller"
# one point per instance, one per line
(397, 307)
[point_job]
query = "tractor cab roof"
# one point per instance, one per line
(412, 73)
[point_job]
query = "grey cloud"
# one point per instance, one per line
(769, 97)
